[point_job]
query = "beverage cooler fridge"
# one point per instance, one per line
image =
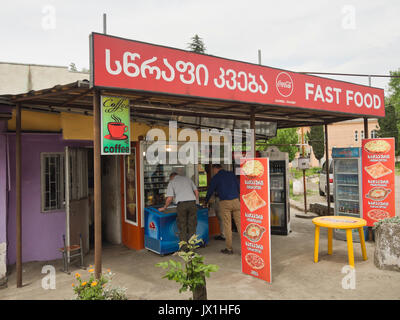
(347, 186)
(279, 190)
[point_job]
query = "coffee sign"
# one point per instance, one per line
(115, 126)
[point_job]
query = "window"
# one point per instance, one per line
(356, 136)
(374, 134)
(362, 134)
(323, 169)
(52, 181)
(130, 183)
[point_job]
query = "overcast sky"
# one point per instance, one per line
(314, 35)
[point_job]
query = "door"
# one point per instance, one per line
(76, 197)
(132, 218)
(278, 191)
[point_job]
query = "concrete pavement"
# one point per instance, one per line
(294, 274)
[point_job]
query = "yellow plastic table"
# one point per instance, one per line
(340, 222)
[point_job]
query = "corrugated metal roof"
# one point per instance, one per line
(194, 111)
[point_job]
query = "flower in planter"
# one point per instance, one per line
(97, 289)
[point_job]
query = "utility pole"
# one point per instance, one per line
(104, 23)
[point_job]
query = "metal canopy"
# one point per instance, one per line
(77, 97)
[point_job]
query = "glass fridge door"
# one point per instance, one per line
(277, 194)
(347, 187)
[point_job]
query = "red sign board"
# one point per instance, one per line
(378, 179)
(255, 217)
(133, 65)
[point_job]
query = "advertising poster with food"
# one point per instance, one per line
(255, 218)
(115, 126)
(378, 179)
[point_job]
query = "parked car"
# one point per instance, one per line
(322, 179)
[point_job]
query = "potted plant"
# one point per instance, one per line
(191, 276)
(387, 244)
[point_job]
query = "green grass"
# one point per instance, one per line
(297, 174)
(299, 197)
(397, 169)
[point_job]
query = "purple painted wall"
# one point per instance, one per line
(41, 232)
(3, 183)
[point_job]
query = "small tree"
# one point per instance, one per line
(193, 275)
(72, 67)
(197, 45)
(315, 139)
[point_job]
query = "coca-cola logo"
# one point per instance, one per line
(284, 84)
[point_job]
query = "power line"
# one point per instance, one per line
(353, 74)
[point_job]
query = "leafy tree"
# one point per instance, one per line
(197, 45)
(72, 67)
(316, 140)
(286, 140)
(388, 126)
(394, 90)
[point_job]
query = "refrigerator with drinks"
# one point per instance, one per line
(347, 193)
(279, 190)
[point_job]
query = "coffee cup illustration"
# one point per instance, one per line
(116, 129)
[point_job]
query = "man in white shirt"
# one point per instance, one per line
(186, 194)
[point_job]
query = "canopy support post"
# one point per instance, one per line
(370, 234)
(97, 183)
(365, 128)
(18, 196)
(328, 189)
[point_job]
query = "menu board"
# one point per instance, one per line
(255, 217)
(378, 179)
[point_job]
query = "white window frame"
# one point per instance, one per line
(61, 204)
(374, 133)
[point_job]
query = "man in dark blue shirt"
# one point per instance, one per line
(227, 186)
